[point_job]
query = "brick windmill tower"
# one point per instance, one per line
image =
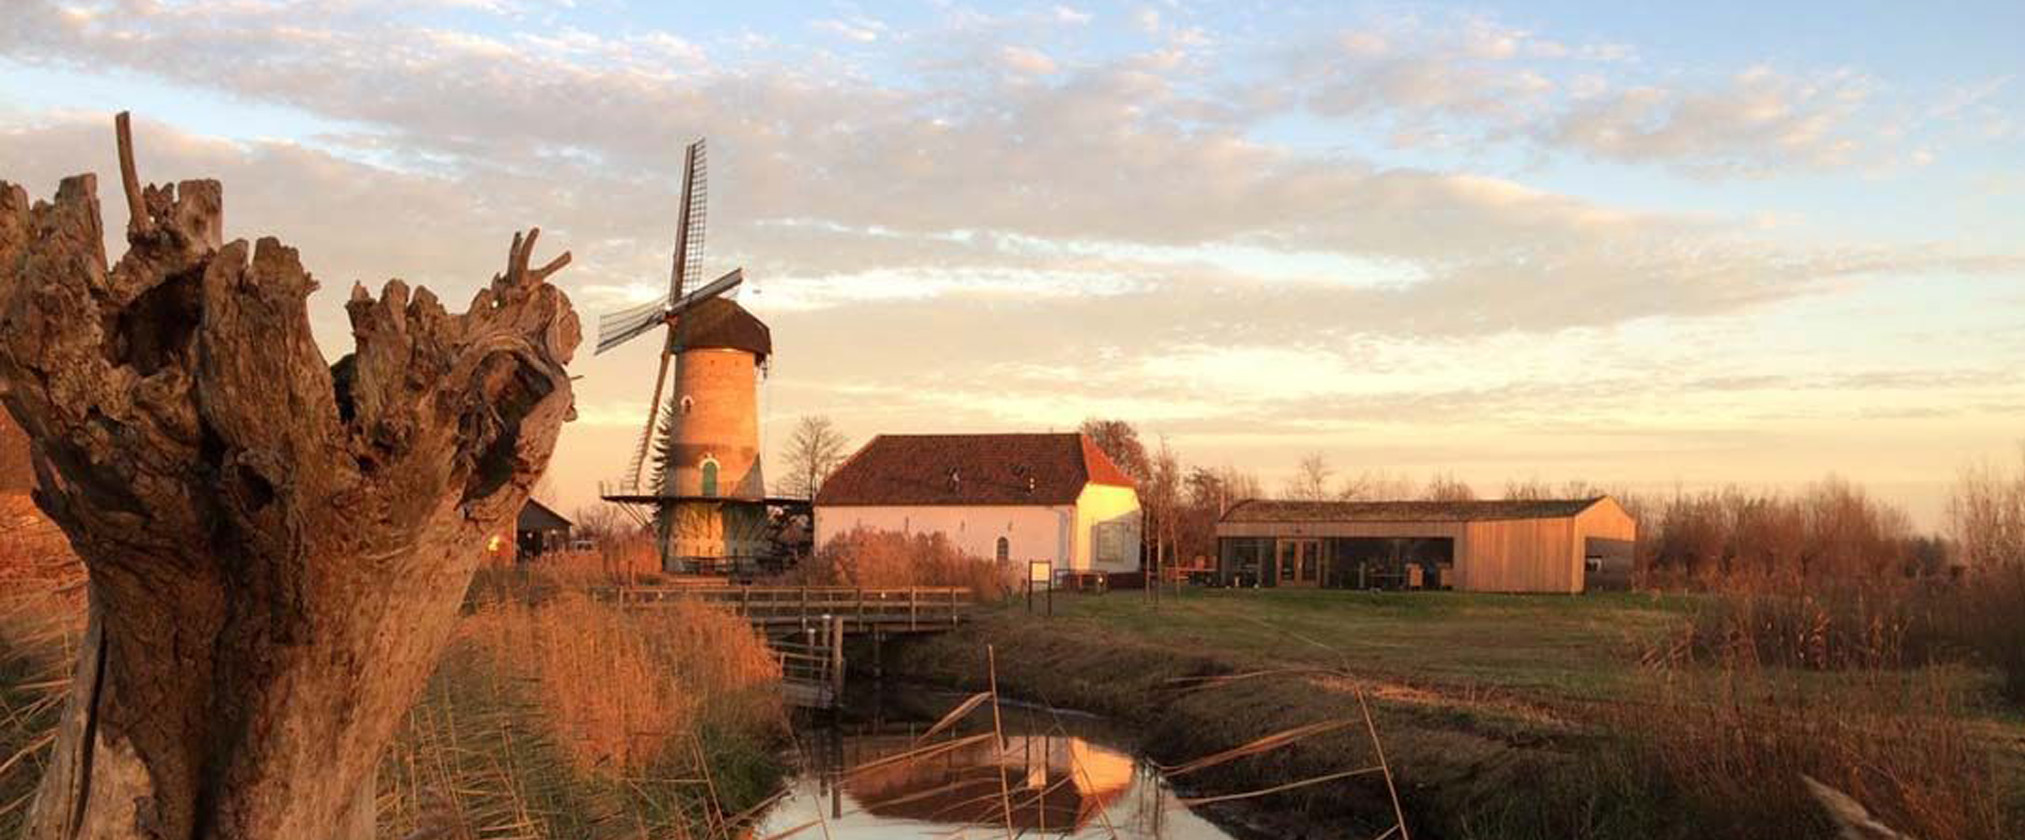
(695, 472)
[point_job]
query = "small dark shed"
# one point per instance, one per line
(540, 530)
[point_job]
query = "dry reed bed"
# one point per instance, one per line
(39, 631)
(885, 558)
(559, 719)
(565, 717)
(1759, 693)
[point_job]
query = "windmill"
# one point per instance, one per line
(694, 472)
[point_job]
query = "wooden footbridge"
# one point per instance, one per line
(806, 625)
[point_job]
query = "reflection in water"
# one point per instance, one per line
(1055, 777)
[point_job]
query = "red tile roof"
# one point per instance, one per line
(993, 469)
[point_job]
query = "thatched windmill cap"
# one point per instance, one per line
(719, 323)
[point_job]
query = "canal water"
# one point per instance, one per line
(1061, 775)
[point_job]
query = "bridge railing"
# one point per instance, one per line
(908, 608)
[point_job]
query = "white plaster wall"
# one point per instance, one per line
(1032, 533)
(1102, 505)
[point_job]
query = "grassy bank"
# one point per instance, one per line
(1504, 716)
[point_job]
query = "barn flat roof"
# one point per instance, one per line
(988, 469)
(1275, 510)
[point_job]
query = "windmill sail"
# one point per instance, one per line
(616, 328)
(689, 230)
(624, 325)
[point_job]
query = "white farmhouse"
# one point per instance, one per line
(1014, 497)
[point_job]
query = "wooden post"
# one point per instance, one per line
(837, 654)
(998, 738)
(879, 655)
(913, 608)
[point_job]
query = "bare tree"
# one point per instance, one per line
(1987, 514)
(1310, 482)
(1376, 486)
(604, 523)
(1208, 495)
(1528, 490)
(1120, 442)
(815, 451)
(1445, 487)
(276, 546)
(1160, 497)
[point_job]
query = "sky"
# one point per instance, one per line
(1648, 245)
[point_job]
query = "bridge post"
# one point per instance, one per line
(879, 655)
(837, 654)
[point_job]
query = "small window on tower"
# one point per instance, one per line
(687, 404)
(1004, 550)
(709, 476)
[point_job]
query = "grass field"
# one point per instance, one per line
(1581, 648)
(1511, 715)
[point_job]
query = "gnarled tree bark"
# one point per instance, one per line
(277, 546)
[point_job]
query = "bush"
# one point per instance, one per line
(887, 558)
(1993, 615)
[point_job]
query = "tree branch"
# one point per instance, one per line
(130, 177)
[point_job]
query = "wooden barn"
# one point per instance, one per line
(1554, 545)
(539, 530)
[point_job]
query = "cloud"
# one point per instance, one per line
(1148, 20)
(1754, 123)
(1027, 60)
(1471, 80)
(972, 248)
(1117, 153)
(862, 30)
(1071, 16)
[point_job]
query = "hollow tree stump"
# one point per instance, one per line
(277, 546)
